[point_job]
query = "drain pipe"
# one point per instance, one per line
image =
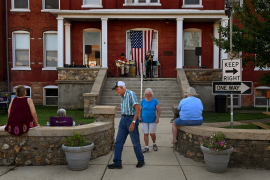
(7, 45)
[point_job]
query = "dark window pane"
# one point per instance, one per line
(21, 4)
(51, 4)
(51, 100)
(51, 92)
(235, 101)
(261, 101)
(27, 91)
(191, 2)
(142, 1)
(154, 1)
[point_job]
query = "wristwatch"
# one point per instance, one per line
(134, 122)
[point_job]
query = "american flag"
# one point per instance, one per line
(141, 42)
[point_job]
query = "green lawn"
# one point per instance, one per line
(249, 126)
(45, 112)
(223, 117)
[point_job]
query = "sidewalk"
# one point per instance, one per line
(160, 165)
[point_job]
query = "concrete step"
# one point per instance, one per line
(156, 94)
(159, 98)
(161, 102)
(138, 79)
(138, 90)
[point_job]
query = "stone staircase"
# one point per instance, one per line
(166, 91)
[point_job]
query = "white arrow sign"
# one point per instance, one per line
(241, 87)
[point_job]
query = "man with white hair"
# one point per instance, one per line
(190, 112)
(128, 125)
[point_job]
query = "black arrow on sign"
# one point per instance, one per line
(231, 71)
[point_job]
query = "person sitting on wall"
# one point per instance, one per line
(190, 112)
(21, 113)
(149, 60)
(121, 62)
(61, 120)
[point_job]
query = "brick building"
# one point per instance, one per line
(46, 34)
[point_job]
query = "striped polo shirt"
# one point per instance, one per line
(128, 101)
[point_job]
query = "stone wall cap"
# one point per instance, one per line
(91, 94)
(104, 109)
(66, 131)
(244, 134)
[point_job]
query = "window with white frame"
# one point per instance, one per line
(50, 95)
(192, 4)
(50, 4)
(259, 96)
(50, 50)
(236, 101)
(27, 88)
(20, 5)
(142, 3)
(21, 50)
(92, 3)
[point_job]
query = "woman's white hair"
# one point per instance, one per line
(149, 90)
(61, 112)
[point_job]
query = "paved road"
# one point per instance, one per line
(160, 165)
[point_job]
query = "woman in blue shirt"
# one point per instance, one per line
(149, 119)
(190, 112)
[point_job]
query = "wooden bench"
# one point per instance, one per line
(261, 125)
(267, 113)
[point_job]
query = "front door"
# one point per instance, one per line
(192, 39)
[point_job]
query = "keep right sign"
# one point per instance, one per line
(231, 70)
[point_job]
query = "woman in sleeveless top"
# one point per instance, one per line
(21, 113)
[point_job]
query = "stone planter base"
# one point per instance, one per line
(78, 157)
(216, 161)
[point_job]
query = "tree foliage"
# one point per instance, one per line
(251, 35)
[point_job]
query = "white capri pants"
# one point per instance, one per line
(149, 128)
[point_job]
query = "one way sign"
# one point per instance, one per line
(231, 70)
(243, 87)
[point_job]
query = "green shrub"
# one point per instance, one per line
(76, 140)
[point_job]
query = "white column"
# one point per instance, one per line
(179, 43)
(60, 29)
(67, 43)
(215, 48)
(223, 54)
(104, 40)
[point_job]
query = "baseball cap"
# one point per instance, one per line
(117, 84)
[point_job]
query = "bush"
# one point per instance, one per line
(217, 142)
(76, 140)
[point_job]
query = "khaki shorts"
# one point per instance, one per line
(149, 128)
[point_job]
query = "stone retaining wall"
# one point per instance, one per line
(42, 146)
(194, 75)
(251, 147)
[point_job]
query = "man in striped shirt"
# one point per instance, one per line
(128, 125)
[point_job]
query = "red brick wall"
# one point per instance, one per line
(3, 72)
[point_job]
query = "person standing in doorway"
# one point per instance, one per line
(149, 119)
(128, 125)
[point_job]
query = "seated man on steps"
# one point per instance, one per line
(121, 63)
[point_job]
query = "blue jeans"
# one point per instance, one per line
(121, 137)
(180, 122)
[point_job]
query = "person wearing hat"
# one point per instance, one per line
(122, 60)
(128, 125)
(190, 112)
(149, 60)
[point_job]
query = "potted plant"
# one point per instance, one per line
(217, 151)
(78, 151)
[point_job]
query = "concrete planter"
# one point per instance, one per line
(78, 157)
(216, 161)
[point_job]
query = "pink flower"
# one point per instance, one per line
(203, 136)
(231, 147)
(215, 148)
(224, 145)
(221, 144)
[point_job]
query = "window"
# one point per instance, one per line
(50, 4)
(91, 47)
(192, 4)
(259, 96)
(50, 50)
(92, 3)
(27, 88)
(142, 3)
(50, 95)
(236, 101)
(20, 5)
(21, 50)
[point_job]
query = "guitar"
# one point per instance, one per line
(120, 63)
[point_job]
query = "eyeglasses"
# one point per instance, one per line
(147, 94)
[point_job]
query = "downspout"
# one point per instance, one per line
(7, 45)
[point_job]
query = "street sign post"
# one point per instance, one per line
(221, 87)
(231, 70)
